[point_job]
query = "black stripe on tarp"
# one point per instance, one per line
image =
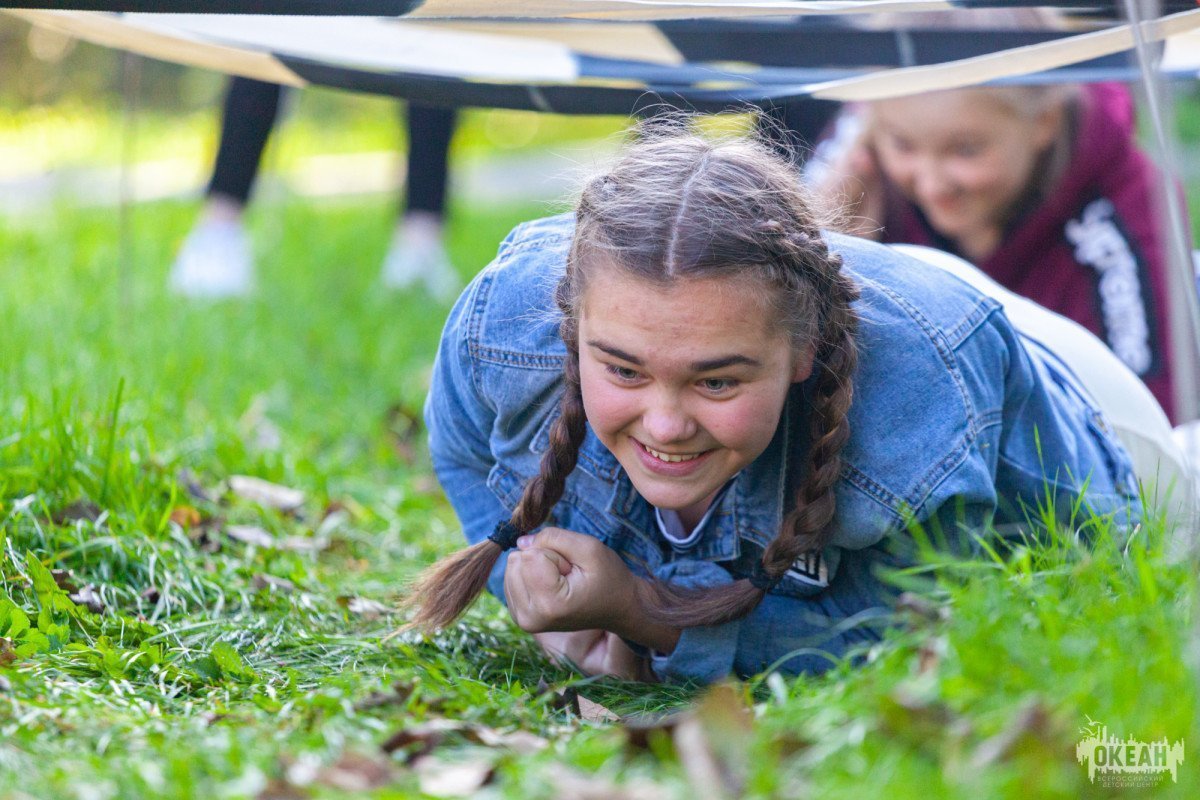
(815, 42)
(444, 92)
(341, 8)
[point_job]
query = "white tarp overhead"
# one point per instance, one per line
(627, 60)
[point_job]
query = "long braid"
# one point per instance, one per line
(566, 435)
(807, 527)
(446, 589)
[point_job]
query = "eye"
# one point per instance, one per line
(968, 149)
(899, 144)
(622, 374)
(718, 385)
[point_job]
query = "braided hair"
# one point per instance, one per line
(678, 206)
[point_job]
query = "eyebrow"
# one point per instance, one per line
(707, 365)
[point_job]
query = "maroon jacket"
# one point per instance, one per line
(1094, 247)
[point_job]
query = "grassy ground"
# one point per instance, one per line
(251, 665)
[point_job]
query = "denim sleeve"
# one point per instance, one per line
(459, 420)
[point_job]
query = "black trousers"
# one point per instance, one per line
(251, 108)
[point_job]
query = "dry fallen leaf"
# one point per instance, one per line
(265, 493)
(87, 597)
(398, 696)
(263, 581)
(7, 656)
(185, 517)
(1032, 722)
(64, 579)
(452, 778)
(713, 743)
(571, 784)
(522, 743)
(591, 711)
(282, 789)
(427, 735)
(80, 510)
(357, 773)
(250, 534)
(362, 606)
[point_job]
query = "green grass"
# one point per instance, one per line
(200, 679)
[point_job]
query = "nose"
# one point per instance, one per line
(932, 182)
(666, 421)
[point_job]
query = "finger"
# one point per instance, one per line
(560, 562)
(574, 546)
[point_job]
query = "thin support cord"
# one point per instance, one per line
(1186, 332)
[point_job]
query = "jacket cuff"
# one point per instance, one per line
(704, 654)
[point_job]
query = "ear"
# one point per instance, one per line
(802, 363)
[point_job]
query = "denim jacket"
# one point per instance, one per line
(956, 422)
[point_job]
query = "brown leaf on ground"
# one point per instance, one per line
(921, 608)
(591, 711)
(566, 699)
(88, 598)
(282, 789)
(570, 784)
(151, 594)
(363, 607)
(265, 493)
(713, 743)
(452, 778)
(64, 579)
(1031, 725)
(263, 581)
(640, 731)
(523, 743)
(7, 656)
(250, 534)
(930, 654)
(304, 544)
(191, 484)
(423, 738)
(357, 773)
(80, 510)
(404, 431)
(397, 696)
(186, 517)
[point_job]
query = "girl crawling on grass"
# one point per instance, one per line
(685, 429)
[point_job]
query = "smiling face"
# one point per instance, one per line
(963, 157)
(684, 383)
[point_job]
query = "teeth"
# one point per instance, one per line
(673, 459)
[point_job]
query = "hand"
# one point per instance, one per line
(559, 580)
(596, 652)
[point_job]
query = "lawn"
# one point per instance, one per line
(172, 630)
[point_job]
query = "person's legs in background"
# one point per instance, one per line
(216, 260)
(417, 252)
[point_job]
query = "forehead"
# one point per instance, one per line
(691, 315)
(964, 111)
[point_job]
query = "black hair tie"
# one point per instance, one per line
(506, 535)
(760, 580)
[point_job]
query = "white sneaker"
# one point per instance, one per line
(417, 257)
(215, 261)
